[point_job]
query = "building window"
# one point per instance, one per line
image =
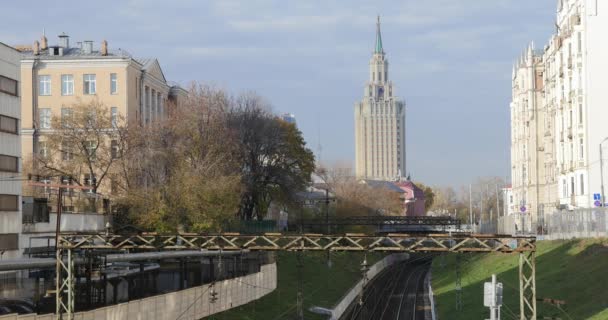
(44, 85)
(113, 83)
(582, 149)
(580, 113)
(66, 116)
(113, 186)
(67, 84)
(43, 149)
(9, 202)
(9, 86)
(114, 116)
(582, 184)
(9, 241)
(9, 125)
(44, 118)
(564, 189)
(572, 186)
(90, 84)
(115, 149)
(66, 151)
(91, 148)
(9, 163)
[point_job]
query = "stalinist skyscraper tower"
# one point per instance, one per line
(379, 123)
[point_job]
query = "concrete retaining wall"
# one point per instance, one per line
(373, 271)
(189, 304)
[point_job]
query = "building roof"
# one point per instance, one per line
(383, 184)
(6, 45)
(378, 38)
(416, 191)
(77, 53)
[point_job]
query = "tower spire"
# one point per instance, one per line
(378, 38)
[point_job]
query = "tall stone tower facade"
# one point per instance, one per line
(379, 123)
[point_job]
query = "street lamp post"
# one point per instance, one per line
(602, 173)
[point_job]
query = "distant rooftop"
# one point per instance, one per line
(62, 50)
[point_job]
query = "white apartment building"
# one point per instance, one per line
(558, 141)
(533, 180)
(10, 153)
(577, 58)
(379, 123)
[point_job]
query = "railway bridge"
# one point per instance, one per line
(69, 245)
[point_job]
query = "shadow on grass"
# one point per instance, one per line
(322, 286)
(580, 279)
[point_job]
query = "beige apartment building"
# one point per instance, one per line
(56, 77)
(379, 123)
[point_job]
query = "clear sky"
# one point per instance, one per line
(450, 60)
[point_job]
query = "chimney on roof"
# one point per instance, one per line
(104, 48)
(64, 40)
(44, 44)
(36, 48)
(87, 47)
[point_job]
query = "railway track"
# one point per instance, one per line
(395, 294)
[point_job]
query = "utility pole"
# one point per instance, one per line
(480, 207)
(497, 208)
(458, 283)
(300, 294)
(602, 173)
(470, 207)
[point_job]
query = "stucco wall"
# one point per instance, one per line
(187, 304)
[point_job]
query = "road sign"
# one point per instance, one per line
(597, 196)
(597, 203)
(522, 209)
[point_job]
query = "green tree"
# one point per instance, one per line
(429, 195)
(275, 163)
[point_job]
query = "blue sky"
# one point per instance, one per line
(449, 59)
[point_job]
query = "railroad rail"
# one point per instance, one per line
(69, 244)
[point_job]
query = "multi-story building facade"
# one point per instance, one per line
(10, 154)
(379, 123)
(531, 140)
(56, 78)
(572, 124)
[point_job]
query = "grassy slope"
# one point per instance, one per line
(575, 271)
(322, 286)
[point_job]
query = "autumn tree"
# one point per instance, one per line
(274, 161)
(183, 175)
(355, 198)
(84, 146)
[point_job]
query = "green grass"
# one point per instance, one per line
(322, 286)
(575, 271)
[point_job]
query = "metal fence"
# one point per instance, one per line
(564, 224)
(579, 223)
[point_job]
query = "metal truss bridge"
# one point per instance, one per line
(68, 245)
